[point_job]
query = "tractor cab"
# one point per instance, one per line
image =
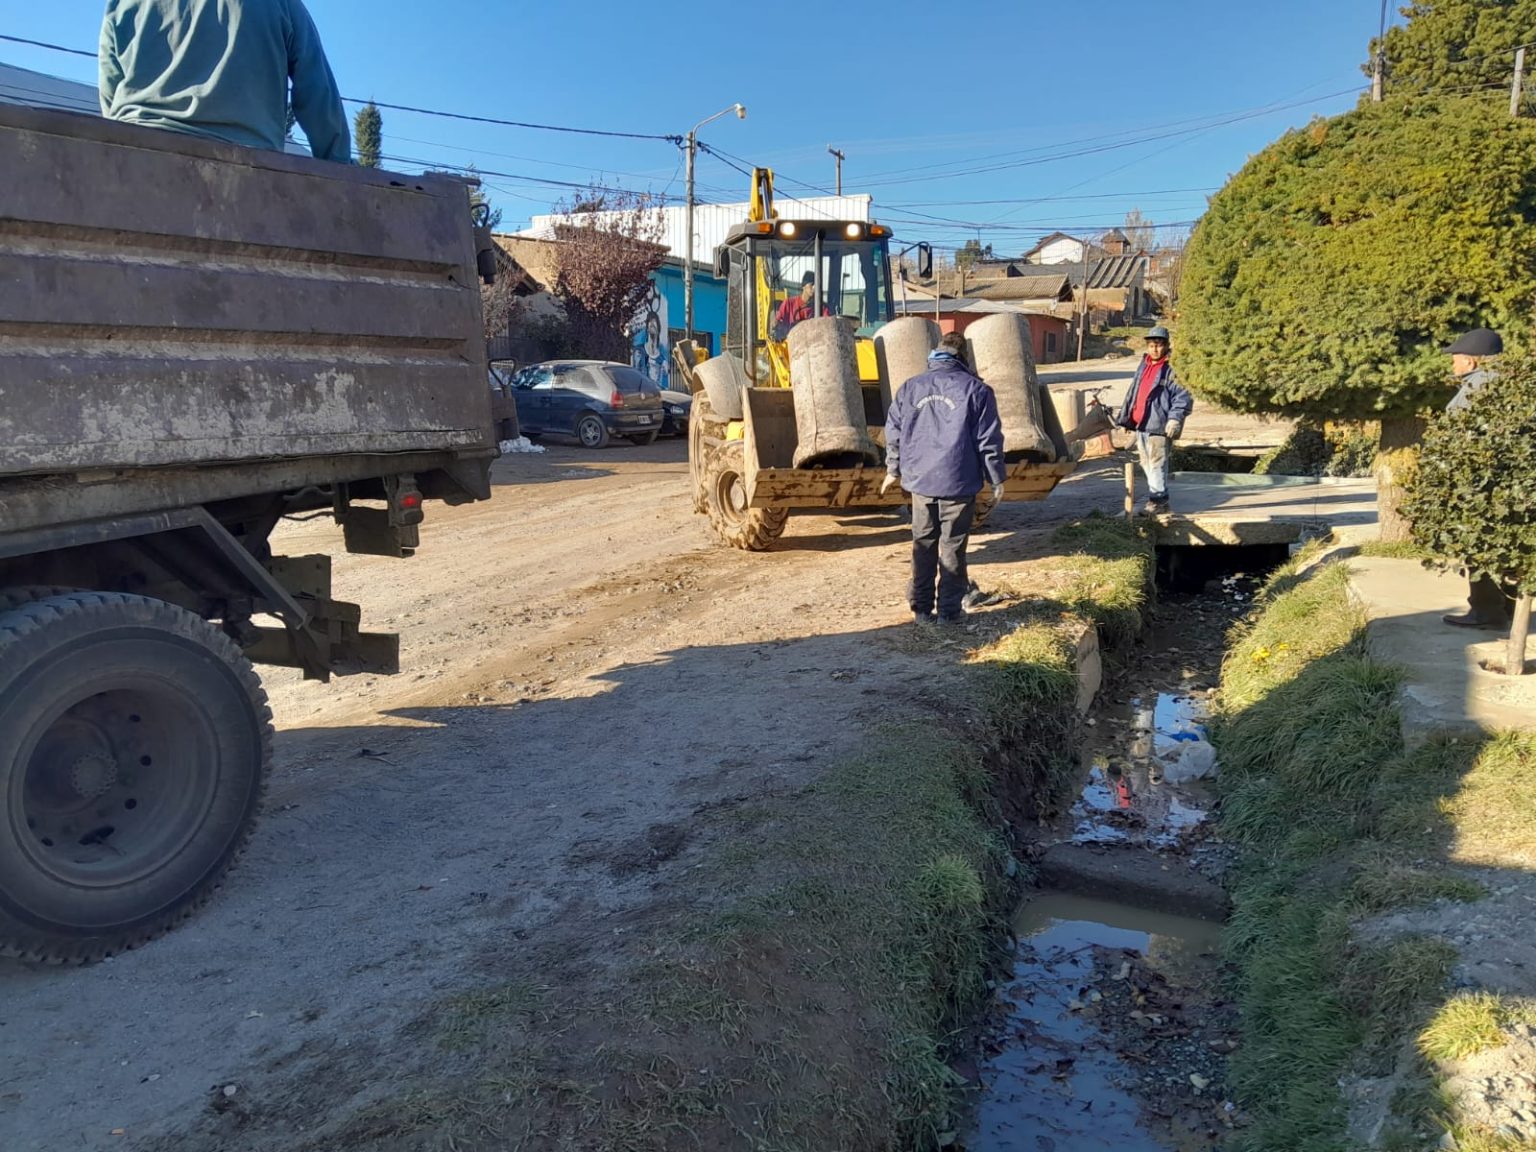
(779, 272)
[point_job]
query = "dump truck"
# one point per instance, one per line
(197, 342)
(792, 417)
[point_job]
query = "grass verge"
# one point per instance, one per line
(1338, 823)
(828, 950)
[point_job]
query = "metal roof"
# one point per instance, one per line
(39, 90)
(1115, 272)
(712, 222)
(1057, 285)
(920, 306)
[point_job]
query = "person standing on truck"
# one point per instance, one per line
(221, 69)
(1155, 408)
(943, 440)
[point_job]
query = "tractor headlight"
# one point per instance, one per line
(787, 228)
(854, 231)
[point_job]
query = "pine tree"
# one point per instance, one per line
(368, 132)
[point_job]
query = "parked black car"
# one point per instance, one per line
(675, 407)
(591, 400)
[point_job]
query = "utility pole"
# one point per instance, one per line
(1082, 312)
(1514, 88)
(839, 156)
(1379, 62)
(692, 147)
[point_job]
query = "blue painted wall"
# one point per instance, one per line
(661, 319)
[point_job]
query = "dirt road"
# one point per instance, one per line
(588, 680)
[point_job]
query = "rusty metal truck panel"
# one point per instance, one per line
(171, 301)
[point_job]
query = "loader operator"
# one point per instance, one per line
(221, 69)
(797, 308)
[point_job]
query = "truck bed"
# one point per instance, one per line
(174, 304)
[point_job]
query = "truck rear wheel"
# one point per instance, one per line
(135, 740)
(737, 525)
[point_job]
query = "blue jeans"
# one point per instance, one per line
(1153, 450)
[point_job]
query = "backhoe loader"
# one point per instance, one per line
(791, 413)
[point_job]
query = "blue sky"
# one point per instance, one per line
(1003, 120)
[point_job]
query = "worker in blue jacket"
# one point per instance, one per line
(943, 441)
(222, 69)
(1155, 408)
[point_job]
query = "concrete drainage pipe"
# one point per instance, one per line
(901, 349)
(829, 402)
(723, 380)
(1001, 355)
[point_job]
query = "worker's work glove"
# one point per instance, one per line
(997, 493)
(890, 481)
(1174, 429)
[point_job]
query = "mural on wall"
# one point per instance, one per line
(650, 346)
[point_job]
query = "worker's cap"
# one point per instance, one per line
(1478, 342)
(808, 278)
(1158, 333)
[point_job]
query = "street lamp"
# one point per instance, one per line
(693, 147)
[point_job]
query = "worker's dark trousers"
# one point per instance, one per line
(1489, 603)
(940, 530)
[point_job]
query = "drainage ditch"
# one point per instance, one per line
(1110, 1031)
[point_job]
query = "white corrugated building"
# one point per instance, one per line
(711, 222)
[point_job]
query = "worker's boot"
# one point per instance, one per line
(1473, 620)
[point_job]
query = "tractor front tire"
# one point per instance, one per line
(698, 451)
(736, 524)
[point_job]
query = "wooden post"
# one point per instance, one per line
(1130, 490)
(1514, 87)
(1514, 659)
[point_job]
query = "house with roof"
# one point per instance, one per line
(1052, 319)
(1115, 282)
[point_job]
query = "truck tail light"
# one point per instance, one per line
(405, 501)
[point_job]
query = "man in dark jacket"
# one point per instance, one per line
(943, 439)
(221, 69)
(1155, 408)
(1487, 604)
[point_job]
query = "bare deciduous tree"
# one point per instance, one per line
(499, 301)
(1140, 231)
(604, 264)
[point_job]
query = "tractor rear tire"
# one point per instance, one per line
(737, 525)
(135, 741)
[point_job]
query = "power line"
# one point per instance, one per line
(537, 181)
(43, 44)
(1047, 199)
(1137, 135)
(1113, 147)
(671, 139)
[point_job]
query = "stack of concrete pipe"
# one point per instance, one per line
(829, 402)
(901, 350)
(1001, 354)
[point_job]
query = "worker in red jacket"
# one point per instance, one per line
(797, 308)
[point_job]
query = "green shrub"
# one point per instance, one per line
(1472, 501)
(1326, 276)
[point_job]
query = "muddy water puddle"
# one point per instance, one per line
(1056, 1078)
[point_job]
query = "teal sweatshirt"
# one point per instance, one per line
(221, 68)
